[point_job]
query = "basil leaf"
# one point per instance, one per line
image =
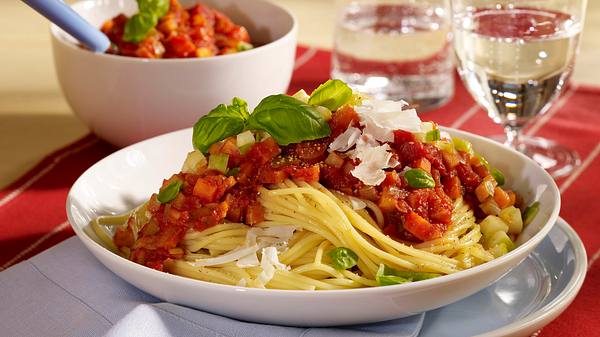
(221, 122)
(419, 178)
(157, 7)
(343, 258)
(138, 26)
(331, 94)
(386, 276)
(170, 191)
(288, 120)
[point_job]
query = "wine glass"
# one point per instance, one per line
(515, 57)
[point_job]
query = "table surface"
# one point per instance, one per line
(35, 118)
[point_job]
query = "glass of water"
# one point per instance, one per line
(395, 49)
(515, 57)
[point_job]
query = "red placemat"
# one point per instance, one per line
(32, 210)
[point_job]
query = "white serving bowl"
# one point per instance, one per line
(124, 99)
(128, 177)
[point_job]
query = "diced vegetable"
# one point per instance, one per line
(325, 113)
(445, 146)
(388, 276)
(498, 176)
(334, 160)
(512, 216)
(193, 162)
(498, 250)
(490, 207)
(423, 164)
(418, 178)
(301, 95)
(484, 190)
(500, 237)
(233, 171)
(530, 213)
(245, 138)
(463, 145)
(501, 197)
(170, 191)
(451, 159)
(343, 258)
(483, 161)
(492, 224)
(218, 162)
(433, 135)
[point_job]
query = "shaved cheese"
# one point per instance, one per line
(269, 263)
(356, 203)
(346, 140)
(230, 256)
(372, 162)
(381, 118)
(248, 261)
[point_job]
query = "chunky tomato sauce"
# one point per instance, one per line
(198, 31)
(208, 197)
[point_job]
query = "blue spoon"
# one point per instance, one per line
(66, 18)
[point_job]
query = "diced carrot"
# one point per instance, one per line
(484, 190)
(453, 187)
(502, 198)
(255, 214)
(512, 198)
(420, 227)
(423, 164)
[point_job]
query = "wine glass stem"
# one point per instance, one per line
(512, 136)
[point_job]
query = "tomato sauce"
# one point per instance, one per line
(209, 197)
(198, 31)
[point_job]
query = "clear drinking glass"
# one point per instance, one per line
(515, 57)
(395, 49)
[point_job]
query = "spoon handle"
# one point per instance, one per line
(66, 18)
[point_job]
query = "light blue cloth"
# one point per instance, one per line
(65, 291)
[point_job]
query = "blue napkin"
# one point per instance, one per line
(65, 291)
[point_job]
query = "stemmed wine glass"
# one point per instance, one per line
(515, 57)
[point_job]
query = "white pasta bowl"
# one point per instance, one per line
(125, 99)
(128, 177)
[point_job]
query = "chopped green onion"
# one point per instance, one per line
(218, 162)
(463, 145)
(170, 191)
(343, 258)
(433, 135)
(419, 178)
(498, 176)
(388, 276)
(530, 213)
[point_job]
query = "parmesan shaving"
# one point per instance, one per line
(230, 256)
(372, 162)
(269, 263)
(346, 140)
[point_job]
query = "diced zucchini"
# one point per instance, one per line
(245, 138)
(445, 146)
(193, 161)
(218, 162)
(500, 237)
(301, 95)
(433, 135)
(326, 113)
(483, 161)
(499, 250)
(530, 213)
(512, 216)
(492, 224)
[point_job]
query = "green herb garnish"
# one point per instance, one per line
(419, 178)
(386, 276)
(139, 25)
(170, 191)
(343, 258)
(331, 94)
(222, 122)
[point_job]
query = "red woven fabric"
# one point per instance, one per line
(32, 210)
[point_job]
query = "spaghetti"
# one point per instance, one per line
(352, 209)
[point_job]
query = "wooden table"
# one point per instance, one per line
(35, 118)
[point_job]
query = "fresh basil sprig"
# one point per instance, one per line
(285, 118)
(288, 120)
(139, 25)
(419, 178)
(343, 258)
(170, 191)
(331, 94)
(220, 123)
(387, 276)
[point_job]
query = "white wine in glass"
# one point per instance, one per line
(515, 57)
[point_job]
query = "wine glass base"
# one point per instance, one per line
(556, 159)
